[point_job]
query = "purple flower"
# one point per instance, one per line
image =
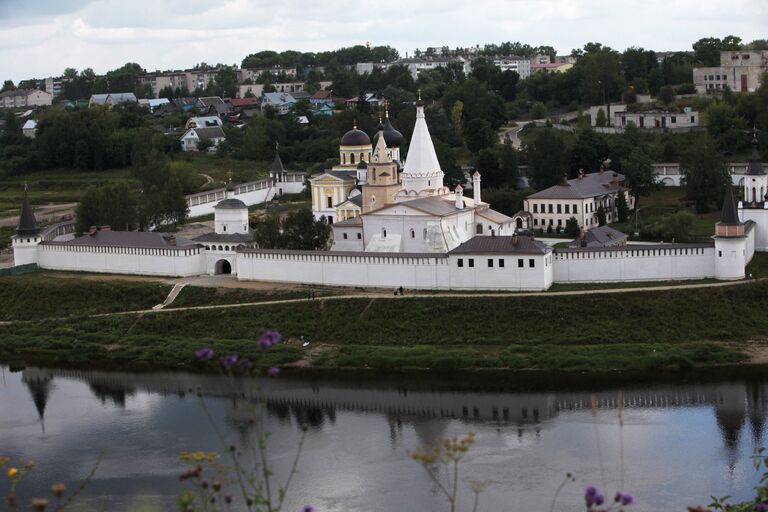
(590, 491)
(204, 353)
(307, 508)
(272, 372)
(269, 338)
(599, 499)
(762, 507)
(229, 361)
(627, 499)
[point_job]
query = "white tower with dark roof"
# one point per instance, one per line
(421, 173)
(730, 242)
(27, 236)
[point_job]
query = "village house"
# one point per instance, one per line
(25, 98)
(111, 99)
(29, 129)
(280, 101)
(194, 138)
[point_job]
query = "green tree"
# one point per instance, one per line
(725, 125)
(302, 232)
(479, 135)
(547, 157)
(505, 199)
(622, 208)
(666, 95)
(456, 113)
(638, 174)
(705, 174)
(600, 119)
(601, 74)
(8, 85)
(538, 111)
(267, 232)
(114, 204)
(589, 152)
(601, 216)
(488, 164)
(226, 81)
(572, 228)
(707, 51)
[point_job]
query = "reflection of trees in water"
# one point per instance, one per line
(106, 390)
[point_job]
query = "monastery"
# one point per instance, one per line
(396, 224)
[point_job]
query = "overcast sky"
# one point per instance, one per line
(39, 39)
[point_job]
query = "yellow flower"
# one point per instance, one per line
(12, 472)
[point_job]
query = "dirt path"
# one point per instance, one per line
(208, 180)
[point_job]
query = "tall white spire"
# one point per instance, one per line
(422, 168)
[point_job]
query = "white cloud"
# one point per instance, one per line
(163, 34)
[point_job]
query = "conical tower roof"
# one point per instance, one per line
(729, 215)
(422, 158)
(755, 166)
(27, 223)
(277, 165)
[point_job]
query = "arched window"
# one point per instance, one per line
(343, 158)
(424, 233)
(362, 157)
(384, 232)
(479, 229)
(226, 247)
(351, 158)
(413, 233)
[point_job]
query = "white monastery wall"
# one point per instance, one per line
(487, 272)
(255, 192)
(639, 263)
(760, 228)
(123, 260)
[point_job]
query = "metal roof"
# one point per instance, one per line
(590, 185)
(518, 244)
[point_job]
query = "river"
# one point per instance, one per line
(669, 445)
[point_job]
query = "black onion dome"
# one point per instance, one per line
(392, 137)
(355, 137)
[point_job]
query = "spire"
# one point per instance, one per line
(755, 166)
(27, 223)
(380, 154)
(729, 215)
(422, 158)
(277, 166)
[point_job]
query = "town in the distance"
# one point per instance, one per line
(388, 210)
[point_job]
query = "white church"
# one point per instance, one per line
(397, 225)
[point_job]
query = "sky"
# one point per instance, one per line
(40, 39)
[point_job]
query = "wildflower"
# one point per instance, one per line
(589, 495)
(12, 472)
(39, 504)
(58, 489)
(228, 499)
(204, 353)
(307, 508)
(626, 499)
(272, 372)
(216, 485)
(762, 507)
(269, 338)
(229, 361)
(599, 499)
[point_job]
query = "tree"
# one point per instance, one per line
(114, 204)
(538, 111)
(707, 51)
(226, 81)
(589, 152)
(302, 232)
(506, 199)
(601, 216)
(479, 135)
(547, 158)
(705, 174)
(488, 165)
(666, 95)
(572, 228)
(630, 96)
(267, 232)
(8, 85)
(456, 112)
(600, 71)
(725, 125)
(622, 208)
(638, 174)
(600, 119)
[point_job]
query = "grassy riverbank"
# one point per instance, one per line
(647, 331)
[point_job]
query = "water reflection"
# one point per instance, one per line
(359, 434)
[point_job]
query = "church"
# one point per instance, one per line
(380, 204)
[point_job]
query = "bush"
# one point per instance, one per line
(572, 228)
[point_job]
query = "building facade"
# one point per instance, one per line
(740, 71)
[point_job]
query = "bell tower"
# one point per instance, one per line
(27, 236)
(730, 242)
(383, 179)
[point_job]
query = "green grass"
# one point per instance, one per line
(219, 168)
(39, 295)
(202, 296)
(628, 331)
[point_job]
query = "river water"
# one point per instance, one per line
(669, 445)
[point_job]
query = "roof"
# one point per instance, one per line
(211, 100)
(348, 253)
(19, 92)
(277, 165)
(99, 99)
(755, 166)
(439, 206)
(421, 152)
(602, 236)
(355, 137)
(243, 102)
(493, 216)
(349, 223)
(142, 239)
(230, 204)
(729, 215)
(278, 98)
(121, 97)
(205, 121)
(27, 223)
(501, 245)
(207, 133)
(591, 185)
(231, 238)
(392, 137)
(30, 124)
(322, 95)
(631, 248)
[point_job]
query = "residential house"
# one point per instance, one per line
(195, 137)
(280, 101)
(212, 105)
(321, 98)
(203, 122)
(29, 129)
(553, 67)
(111, 99)
(25, 98)
(580, 198)
(601, 236)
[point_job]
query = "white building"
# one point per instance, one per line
(580, 198)
(29, 129)
(740, 71)
(192, 138)
(520, 65)
(25, 98)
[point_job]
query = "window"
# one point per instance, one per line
(413, 233)
(424, 234)
(359, 236)
(719, 254)
(693, 119)
(384, 232)
(345, 236)
(351, 158)
(225, 228)
(559, 222)
(559, 209)
(567, 209)
(460, 263)
(520, 263)
(490, 262)
(531, 263)
(471, 262)
(535, 208)
(550, 208)
(329, 202)
(674, 119)
(535, 222)
(501, 263)
(575, 209)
